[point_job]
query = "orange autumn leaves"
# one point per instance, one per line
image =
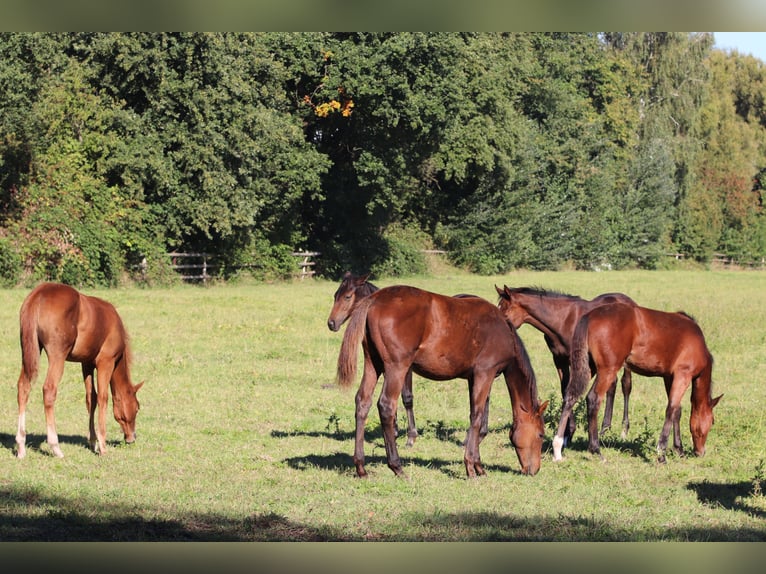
(344, 106)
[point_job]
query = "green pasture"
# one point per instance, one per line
(243, 435)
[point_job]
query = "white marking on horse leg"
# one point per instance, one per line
(558, 443)
(21, 436)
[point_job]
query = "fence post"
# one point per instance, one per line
(306, 264)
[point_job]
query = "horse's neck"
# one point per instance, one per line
(550, 320)
(121, 375)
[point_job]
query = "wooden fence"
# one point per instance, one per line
(306, 264)
(201, 267)
(727, 261)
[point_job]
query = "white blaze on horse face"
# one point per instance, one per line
(558, 443)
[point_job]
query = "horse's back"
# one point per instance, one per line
(657, 341)
(442, 336)
(69, 321)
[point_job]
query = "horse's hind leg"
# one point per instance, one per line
(606, 379)
(393, 382)
(407, 400)
(363, 402)
(90, 402)
(50, 390)
(606, 423)
(24, 386)
(627, 386)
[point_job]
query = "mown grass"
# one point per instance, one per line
(243, 435)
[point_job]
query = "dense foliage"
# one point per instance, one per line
(507, 150)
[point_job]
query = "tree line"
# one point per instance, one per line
(534, 150)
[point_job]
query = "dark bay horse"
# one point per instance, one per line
(79, 328)
(651, 343)
(403, 329)
(556, 315)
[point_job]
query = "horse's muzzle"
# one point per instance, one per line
(332, 326)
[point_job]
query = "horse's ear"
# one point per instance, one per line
(499, 291)
(138, 386)
(715, 401)
(362, 279)
(347, 274)
(544, 406)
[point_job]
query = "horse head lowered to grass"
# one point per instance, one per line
(403, 329)
(70, 326)
(651, 343)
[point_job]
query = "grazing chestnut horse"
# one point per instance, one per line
(74, 327)
(405, 329)
(556, 315)
(653, 344)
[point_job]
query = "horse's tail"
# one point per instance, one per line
(352, 338)
(579, 360)
(30, 344)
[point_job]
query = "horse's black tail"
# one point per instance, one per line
(579, 361)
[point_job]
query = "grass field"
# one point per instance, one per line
(243, 436)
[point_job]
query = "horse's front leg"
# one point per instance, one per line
(562, 368)
(363, 403)
(103, 379)
(478, 389)
(675, 387)
(90, 402)
(393, 382)
(407, 400)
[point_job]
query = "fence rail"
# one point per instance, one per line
(202, 267)
(730, 261)
(306, 264)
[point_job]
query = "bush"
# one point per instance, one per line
(402, 253)
(10, 264)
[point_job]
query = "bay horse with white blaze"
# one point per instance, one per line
(556, 315)
(404, 329)
(651, 343)
(71, 326)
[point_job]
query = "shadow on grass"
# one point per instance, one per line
(57, 521)
(38, 442)
(733, 496)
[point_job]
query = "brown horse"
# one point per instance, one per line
(350, 292)
(403, 328)
(74, 327)
(556, 315)
(654, 344)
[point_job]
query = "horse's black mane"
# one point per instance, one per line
(685, 314)
(363, 290)
(543, 292)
